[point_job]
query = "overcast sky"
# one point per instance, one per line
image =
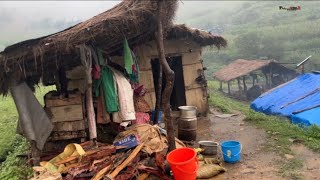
(35, 10)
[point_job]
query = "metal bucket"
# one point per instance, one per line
(209, 147)
(188, 111)
(187, 129)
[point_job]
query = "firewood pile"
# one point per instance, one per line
(102, 161)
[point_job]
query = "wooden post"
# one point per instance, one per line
(158, 95)
(266, 80)
(229, 88)
(169, 80)
(220, 89)
(244, 84)
(239, 84)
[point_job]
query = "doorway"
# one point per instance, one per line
(178, 96)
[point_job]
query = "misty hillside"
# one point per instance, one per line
(258, 30)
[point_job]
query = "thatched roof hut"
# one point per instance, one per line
(242, 67)
(132, 19)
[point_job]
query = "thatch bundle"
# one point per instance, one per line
(133, 19)
(199, 36)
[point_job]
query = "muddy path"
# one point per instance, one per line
(256, 162)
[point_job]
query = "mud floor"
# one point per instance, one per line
(255, 163)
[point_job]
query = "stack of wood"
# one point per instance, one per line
(105, 161)
(67, 116)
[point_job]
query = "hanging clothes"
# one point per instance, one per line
(109, 90)
(102, 116)
(125, 93)
(128, 60)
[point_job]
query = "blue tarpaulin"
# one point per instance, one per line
(297, 95)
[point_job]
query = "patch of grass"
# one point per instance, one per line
(279, 130)
(11, 144)
(15, 168)
(290, 168)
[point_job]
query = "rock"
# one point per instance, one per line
(268, 132)
(275, 133)
(251, 167)
(241, 124)
(241, 129)
(289, 156)
(247, 171)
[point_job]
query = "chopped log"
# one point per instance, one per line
(126, 162)
(169, 73)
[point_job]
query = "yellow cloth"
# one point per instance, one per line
(69, 151)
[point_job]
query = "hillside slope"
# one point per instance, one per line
(258, 30)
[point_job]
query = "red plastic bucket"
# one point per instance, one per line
(183, 163)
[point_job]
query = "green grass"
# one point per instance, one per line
(11, 144)
(279, 129)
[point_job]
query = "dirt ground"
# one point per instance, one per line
(256, 162)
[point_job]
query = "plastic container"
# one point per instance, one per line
(231, 151)
(209, 147)
(153, 112)
(183, 163)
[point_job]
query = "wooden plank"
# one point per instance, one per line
(191, 72)
(63, 135)
(69, 126)
(196, 97)
(55, 102)
(65, 113)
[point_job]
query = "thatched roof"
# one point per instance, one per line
(242, 67)
(131, 19)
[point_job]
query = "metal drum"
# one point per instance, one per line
(188, 111)
(187, 125)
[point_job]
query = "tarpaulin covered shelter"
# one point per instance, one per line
(298, 99)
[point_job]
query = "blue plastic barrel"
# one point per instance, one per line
(231, 151)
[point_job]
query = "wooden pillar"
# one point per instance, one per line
(169, 73)
(158, 95)
(220, 89)
(253, 79)
(244, 84)
(229, 88)
(265, 75)
(239, 84)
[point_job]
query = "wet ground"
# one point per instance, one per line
(256, 162)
